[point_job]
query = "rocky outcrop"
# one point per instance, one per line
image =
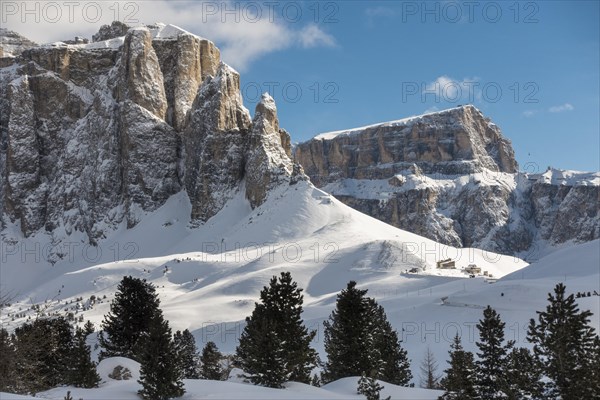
(215, 143)
(107, 32)
(451, 176)
(94, 135)
(141, 76)
(456, 141)
(12, 44)
(185, 60)
(268, 162)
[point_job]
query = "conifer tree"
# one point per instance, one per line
(279, 317)
(370, 388)
(459, 382)
(89, 328)
(187, 354)
(594, 377)
(160, 375)
(348, 338)
(82, 369)
(523, 375)
(359, 339)
(7, 362)
(211, 362)
(491, 363)
(563, 343)
(131, 312)
(394, 365)
(42, 351)
(261, 351)
(429, 376)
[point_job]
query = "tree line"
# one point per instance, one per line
(564, 362)
(275, 347)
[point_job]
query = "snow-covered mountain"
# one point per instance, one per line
(94, 135)
(12, 44)
(451, 176)
(134, 155)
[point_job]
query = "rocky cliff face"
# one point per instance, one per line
(457, 141)
(452, 177)
(94, 135)
(12, 44)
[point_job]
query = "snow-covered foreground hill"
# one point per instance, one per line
(234, 389)
(197, 389)
(209, 277)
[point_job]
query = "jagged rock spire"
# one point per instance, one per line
(268, 162)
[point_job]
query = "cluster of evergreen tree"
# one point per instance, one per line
(359, 340)
(135, 328)
(44, 354)
(275, 348)
(564, 363)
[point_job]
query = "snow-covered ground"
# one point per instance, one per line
(233, 389)
(209, 277)
(199, 389)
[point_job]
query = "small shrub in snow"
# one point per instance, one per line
(120, 373)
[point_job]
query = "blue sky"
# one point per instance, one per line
(548, 72)
(532, 67)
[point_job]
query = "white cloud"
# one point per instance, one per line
(452, 90)
(431, 109)
(243, 31)
(561, 108)
(529, 113)
(312, 36)
(375, 15)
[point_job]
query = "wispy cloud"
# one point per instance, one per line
(554, 109)
(312, 36)
(445, 88)
(561, 108)
(243, 34)
(529, 113)
(374, 14)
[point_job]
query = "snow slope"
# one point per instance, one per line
(199, 389)
(209, 277)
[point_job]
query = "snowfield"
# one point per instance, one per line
(199, 389)
(209, 277)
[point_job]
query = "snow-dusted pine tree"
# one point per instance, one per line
(160, 375)
(459, 382)
(491, 363)
(42, 351)
(370, 388)
(278, 316)
(564, 344)
(261, 351)
(394, 365)
(131, 312)
(211, 362)
(348, 336)
(187, 354)
(359, 339)
(82, 369)
(523, 375)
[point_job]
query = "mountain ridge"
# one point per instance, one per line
(94, 134)
(451, 176)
